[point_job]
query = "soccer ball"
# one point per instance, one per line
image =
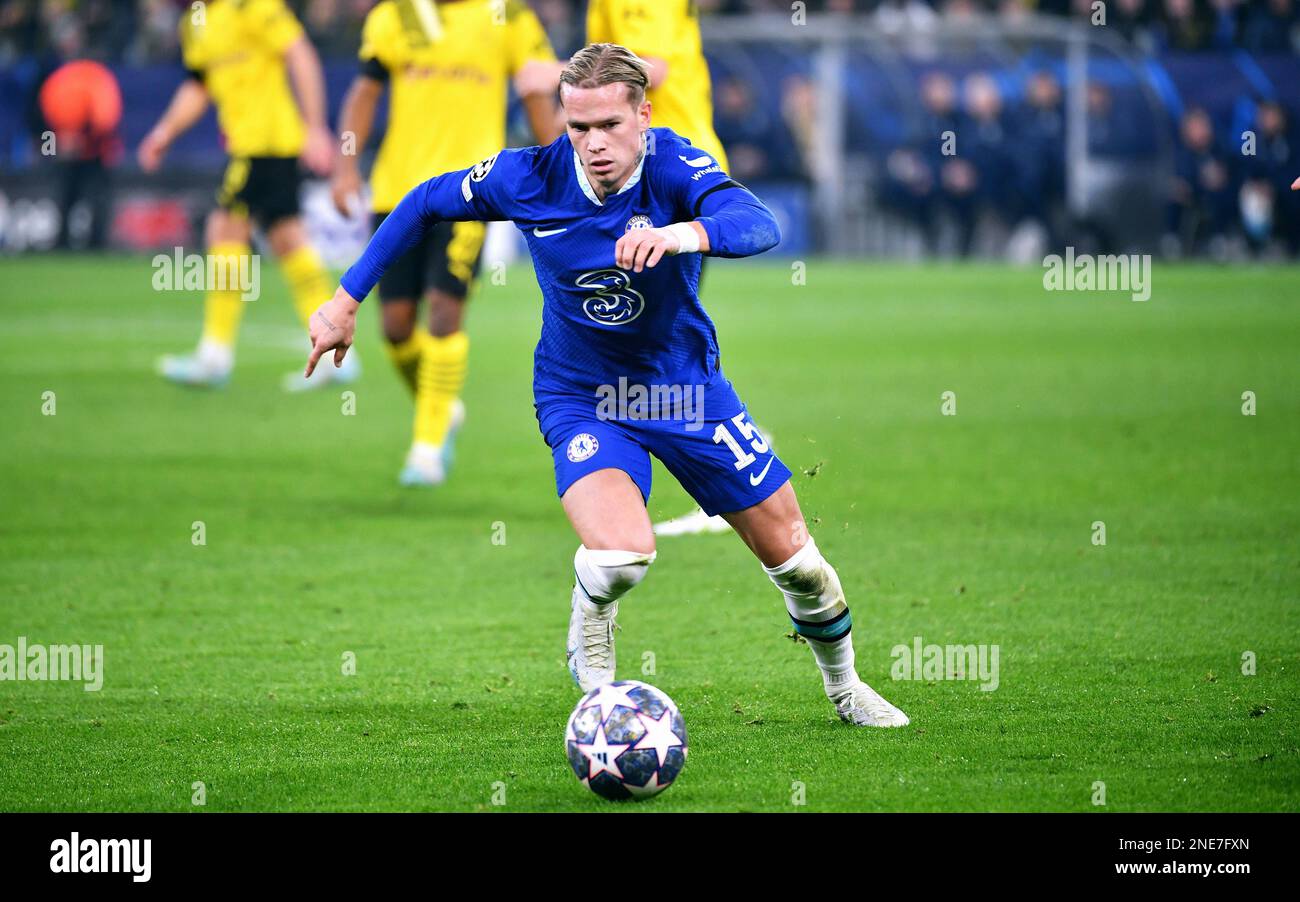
(626, 740)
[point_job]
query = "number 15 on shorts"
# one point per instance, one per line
(750, 433)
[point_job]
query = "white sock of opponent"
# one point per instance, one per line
(816, 605)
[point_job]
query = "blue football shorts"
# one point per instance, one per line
(725, 464)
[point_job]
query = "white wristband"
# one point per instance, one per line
(688, 239)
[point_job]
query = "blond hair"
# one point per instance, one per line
(597, 65)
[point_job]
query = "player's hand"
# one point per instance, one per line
(152, 149)
(318, 152)
(332, 326)
(642, 248)
(345, 187)
(1295, 186)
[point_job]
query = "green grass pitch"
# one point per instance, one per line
(1120, 663)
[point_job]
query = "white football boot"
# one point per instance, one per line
(326, 374)
(208, 367)
(428, 465)
(590, 650)
(449, 443)
(862, 706)
(423, 466)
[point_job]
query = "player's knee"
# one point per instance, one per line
(606, 574)
(446, 313)
(397, 335)
(807, 575)
(398, 323)
(222, 226)
(286, 235)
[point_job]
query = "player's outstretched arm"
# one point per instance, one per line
(356, 119)
(187, 107)
(429, 202)
(309, 83)
(451, 196)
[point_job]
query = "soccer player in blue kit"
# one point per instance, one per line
(615, 215)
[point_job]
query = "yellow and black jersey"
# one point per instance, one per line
(670, 30)
(447, 66)
(236, 48)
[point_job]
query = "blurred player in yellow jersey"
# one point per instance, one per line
(666, 34)
(447, 66)
(241, 56)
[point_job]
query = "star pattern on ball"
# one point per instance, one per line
(602, 757)
(652, 787)
(659, 735)
(610, 696)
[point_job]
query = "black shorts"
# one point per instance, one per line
(264, 188)
(447, 259)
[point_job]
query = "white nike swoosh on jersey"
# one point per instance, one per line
(698, 162)
(755, 480)
(540, 233)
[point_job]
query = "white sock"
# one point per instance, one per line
(605, 576)
(815, 603)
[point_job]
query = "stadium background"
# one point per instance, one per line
(1128, 136)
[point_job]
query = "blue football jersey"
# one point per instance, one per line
(601, 323)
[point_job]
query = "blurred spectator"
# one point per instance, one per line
(1132, 19)
(893, 15)
(159, 37)
(799, 110)
(934, 180)
(758, 147)
(1201, 203)
(1038, 151)
(81, 108)
(1268, 207)
(145, 29)
(1186, 25)
(110, 26)
(984, 140)
(20, 28)
(1270, 27)
(1112, 133)
(743, 128)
